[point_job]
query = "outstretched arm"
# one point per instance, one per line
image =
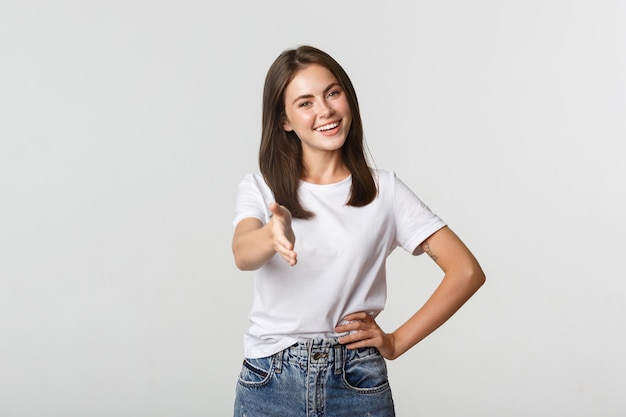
(255, 243)
(462, 278)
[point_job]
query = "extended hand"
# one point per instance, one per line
(283, 238)
(365, 332)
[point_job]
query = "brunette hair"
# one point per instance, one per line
(280, 154)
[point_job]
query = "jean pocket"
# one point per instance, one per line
(366, 372)
(256, 372)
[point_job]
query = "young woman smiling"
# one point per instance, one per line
(317, 224)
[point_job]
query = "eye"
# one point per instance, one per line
(304, 104)
(334, 93)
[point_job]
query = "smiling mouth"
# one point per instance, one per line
(329, 126)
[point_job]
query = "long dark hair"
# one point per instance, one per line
(280, 154)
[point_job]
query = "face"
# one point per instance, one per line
(317, 110)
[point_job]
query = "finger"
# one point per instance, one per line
(291, 259)
(354, 326)
(278, 210)
(359, 316)
(284, 243)
(355, 336)
(361, 339)
(354, 322)
(287, 254)
(285, 251)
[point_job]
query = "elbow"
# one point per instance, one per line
(242, 264)
(470, 277)
(475, 277)
(245, 266)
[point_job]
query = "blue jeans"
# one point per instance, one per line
(315, 378)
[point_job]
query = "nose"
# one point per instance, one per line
(326, 110)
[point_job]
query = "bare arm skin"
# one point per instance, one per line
(462, 278)
(255, 243)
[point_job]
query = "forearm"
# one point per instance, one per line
(253, 248)
(455, 289)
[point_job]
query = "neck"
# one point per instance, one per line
(325, 170)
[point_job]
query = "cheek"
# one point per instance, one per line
(302, 119)
(348, 114)
(345, 109)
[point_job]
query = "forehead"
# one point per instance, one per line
(311, 79)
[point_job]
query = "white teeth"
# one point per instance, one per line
(327, 127)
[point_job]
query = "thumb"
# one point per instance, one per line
(277, 209)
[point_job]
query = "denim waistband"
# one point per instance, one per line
(313, 352)
(306, 345)
(320, 352)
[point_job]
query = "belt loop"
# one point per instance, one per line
(278, 361)
(338, 359)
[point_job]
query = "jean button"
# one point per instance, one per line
(316, 355)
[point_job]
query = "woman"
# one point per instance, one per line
(317, 224)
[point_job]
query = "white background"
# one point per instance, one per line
(125, 127)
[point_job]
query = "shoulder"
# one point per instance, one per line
(385, 179)
(391, 186)
(253, 198)
(252, 176)
(253, 186)
(383, 174)
(253, 179)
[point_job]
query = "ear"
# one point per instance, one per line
(286, 125)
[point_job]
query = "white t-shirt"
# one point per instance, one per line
(341, 258)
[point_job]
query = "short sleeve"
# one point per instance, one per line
(253, 199)
(415, 222)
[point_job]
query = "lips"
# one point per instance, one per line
(327, 127)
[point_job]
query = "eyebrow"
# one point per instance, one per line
(330, 87)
